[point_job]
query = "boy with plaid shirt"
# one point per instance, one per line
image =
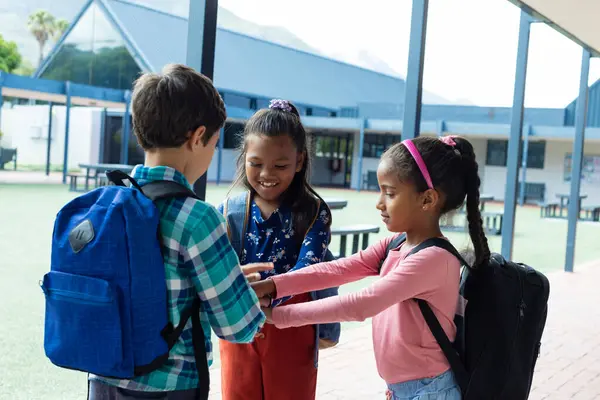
(177, 116)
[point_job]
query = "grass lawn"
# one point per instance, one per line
(26, 219)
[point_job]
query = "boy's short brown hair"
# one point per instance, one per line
(166, 107)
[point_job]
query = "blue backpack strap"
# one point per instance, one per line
(158, 190)
(236, 210)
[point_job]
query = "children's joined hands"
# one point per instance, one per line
(252, 271)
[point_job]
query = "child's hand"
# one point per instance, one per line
(252, 271)
(268, 313)
(265, 289)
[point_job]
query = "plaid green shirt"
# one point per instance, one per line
(199, 261)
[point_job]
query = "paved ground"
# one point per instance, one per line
(569, 366)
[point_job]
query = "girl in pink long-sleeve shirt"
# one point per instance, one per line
(420, 180)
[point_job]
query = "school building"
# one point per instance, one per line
(353, 113)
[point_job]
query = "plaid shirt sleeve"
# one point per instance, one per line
(228, 300)
(313, 248)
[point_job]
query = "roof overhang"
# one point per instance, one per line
(576, 19)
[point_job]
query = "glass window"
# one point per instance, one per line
(536, 154)
(376, 144)
(496, 153)
(113, 127)
(94, 53)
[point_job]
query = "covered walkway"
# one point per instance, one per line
(70, 94)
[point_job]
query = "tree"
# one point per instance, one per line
(60, 27)
(42, 25)
(25, 69)
(10, 58)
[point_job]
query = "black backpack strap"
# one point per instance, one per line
(394, 243)
(442, 243)
(157, 190)
(458, 369)
(460, 373)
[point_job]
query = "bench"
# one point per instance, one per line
(591, 213)
(492, 222)
(549, 210)
(7, 156)
(73, 178)
(99, 180)
(356, 231)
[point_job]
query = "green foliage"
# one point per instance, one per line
(10, 58)
(108, 66)
(44, 26)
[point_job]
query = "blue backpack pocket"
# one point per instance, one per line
(86, 313)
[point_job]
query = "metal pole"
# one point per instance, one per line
(220, 155)
(125, 129)
(577, 159)
(1, 99)
(361, 147)
(524, 165)
(441, 127)
(411, 124)
(516, 134)
(201, 39)
(67, 123)
(49, 144)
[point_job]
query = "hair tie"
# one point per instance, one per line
(279, 104)
(449, 140)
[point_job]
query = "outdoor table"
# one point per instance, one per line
(564, 201)
(336, 204)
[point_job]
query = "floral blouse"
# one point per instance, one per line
(274, 240)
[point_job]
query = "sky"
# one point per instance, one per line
(471, 45)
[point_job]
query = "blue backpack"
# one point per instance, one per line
(236, 210)
(106, 293)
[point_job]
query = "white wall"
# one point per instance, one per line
(552, 175)
(26, 128)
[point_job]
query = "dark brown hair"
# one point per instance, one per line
(299, 196)
(166, 107)
(454, 172)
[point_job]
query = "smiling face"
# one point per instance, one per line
(271, 164)
(401, 206)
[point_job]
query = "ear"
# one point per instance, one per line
(300, 161)
(430, 199)
(196, 138)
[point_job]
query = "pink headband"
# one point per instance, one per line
(412, 149)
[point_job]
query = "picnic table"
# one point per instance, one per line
(336, 204)
(564, 202)
(97, 169)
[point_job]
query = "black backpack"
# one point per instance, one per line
(498, 340)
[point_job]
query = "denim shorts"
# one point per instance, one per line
(441, 387)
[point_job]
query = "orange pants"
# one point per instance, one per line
(278, 365)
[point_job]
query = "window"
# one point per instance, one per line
(497, 151)
(376, 144)
(94, 54)
(111, 154)
(536, 154)
(233, 135)
(497, 154)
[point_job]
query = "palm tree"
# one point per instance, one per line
(41, 24)
(60, 27)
